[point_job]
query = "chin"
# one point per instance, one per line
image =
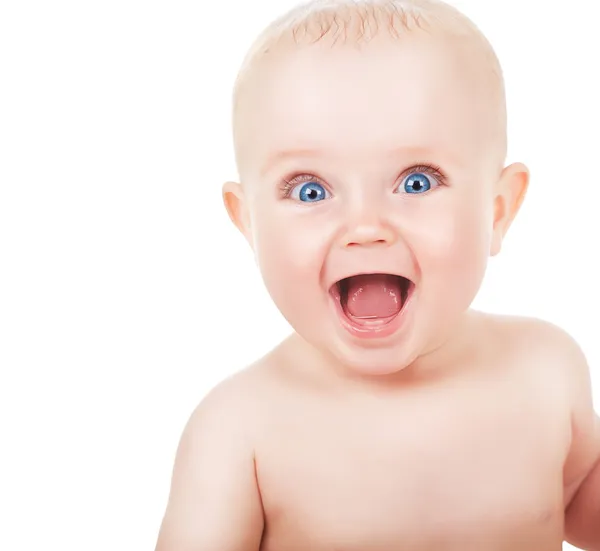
(376, 361)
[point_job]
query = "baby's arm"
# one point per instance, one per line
(214, 503)
(582, 470)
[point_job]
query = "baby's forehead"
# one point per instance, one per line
(421, 80)
(361, 102)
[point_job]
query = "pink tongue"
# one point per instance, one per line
(373, 296)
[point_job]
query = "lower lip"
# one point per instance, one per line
(374, 331)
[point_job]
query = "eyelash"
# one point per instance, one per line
(288, 185)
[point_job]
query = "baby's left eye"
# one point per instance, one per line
(417, 182)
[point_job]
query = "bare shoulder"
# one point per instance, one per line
(537, 339)
(232, 408)
(538, 357)
(545, 356)
(240, 402)
(233, 400)
(214, 485)
(558, 363)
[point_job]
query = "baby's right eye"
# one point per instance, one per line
(309, 192)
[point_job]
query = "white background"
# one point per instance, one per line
(125, 293)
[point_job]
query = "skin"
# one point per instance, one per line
(460, 431)
(417, 105)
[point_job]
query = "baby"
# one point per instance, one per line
(370, 139)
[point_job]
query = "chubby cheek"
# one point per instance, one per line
(453, 254)
(290, 255)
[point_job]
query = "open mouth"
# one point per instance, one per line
(370, 303)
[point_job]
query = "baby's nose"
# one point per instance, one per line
(369, 230)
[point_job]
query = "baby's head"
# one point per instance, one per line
(370, 138)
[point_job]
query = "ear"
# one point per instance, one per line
(509, 195)
(235, 204)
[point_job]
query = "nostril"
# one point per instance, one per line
(367, 243)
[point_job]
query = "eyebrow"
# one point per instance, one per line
(283, 155)
(419, 153)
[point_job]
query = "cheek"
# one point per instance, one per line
(466, 239)
(453, 249)
(290, 254)
(285, 241)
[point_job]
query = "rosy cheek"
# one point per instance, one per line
(290, 246)
(467, 232)
(465, 257)
(449, 245)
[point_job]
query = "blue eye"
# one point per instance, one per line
(311, 192)
(417, 183)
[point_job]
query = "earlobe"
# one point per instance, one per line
(510, 193)
(235, 204)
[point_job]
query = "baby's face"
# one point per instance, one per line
(381, 160)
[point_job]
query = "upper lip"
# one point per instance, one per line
(333, 283)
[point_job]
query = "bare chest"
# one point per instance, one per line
(459, 472)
